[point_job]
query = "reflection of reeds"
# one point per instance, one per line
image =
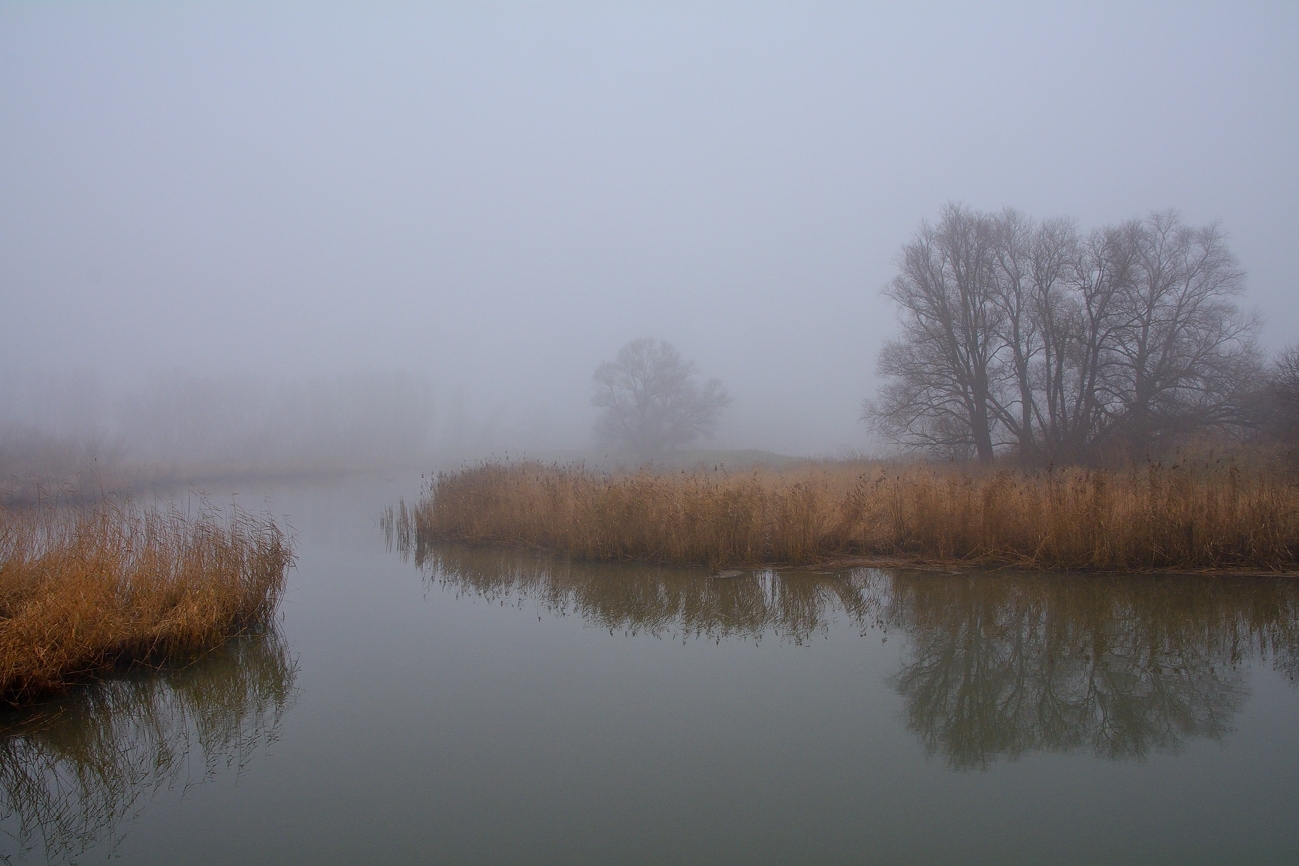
(74, 770)
(84, 590)
(398, 526)
(1156, 517)
(636, 598)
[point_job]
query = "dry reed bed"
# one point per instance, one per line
(1157, 517)
(85, 590)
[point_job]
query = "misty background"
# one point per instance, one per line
(394, 233)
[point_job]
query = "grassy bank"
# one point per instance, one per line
(86, 590)
(1212, 515)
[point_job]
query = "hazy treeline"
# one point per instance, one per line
(1039, 338)
(376, 419)
(67, 431)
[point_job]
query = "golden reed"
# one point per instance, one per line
(85, 590)
(1180, 517)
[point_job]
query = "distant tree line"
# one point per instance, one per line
(354, 420)
(1037, 338)
(64, 434)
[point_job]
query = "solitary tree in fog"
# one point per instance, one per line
(652, 400)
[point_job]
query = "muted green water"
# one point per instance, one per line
(472, 706)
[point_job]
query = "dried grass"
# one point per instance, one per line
(85, 590)
(1211, 515)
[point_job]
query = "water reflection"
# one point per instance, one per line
(1002, 665)
(74, 772)
(634, 598)
(996, 665)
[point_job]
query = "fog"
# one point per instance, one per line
(274, 230)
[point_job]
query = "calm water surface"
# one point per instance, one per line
(470, 706)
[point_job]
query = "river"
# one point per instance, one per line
(470, 706)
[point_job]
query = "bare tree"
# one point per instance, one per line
(1083, 332)
(1182, 338)
(1022, 335)
(943, 367)
(652, 400)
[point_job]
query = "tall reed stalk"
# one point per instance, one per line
(84, 590)
(1209, 516)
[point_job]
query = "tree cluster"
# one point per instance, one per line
(1037, 338)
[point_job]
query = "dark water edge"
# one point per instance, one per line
(495, 706)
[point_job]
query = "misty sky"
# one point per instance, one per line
(499, 198)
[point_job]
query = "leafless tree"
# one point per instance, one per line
(943, 366)
(1027, 336)
(1083, 332)
(1182, 340)
(652, 400)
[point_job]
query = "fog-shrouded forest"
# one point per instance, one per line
(183, 426)
(242, 240)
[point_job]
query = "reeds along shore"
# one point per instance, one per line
(85, 590)
(1181, 517)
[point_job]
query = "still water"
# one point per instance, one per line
(473, 706)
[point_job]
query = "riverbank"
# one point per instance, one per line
(1209, 516)
(85, 590)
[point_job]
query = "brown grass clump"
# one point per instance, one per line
(85, 590)
(1156, 517)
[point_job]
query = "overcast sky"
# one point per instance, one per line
(501, 197)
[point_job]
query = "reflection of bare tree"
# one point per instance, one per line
(998, 664)
(73, 771)
(1001, 665)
